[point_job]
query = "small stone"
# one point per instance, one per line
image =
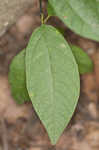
(24, 24)
(93, 110)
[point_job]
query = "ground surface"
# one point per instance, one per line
(20, 128)
(10, 11)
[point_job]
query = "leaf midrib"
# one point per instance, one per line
(50, 72)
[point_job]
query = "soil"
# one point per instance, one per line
(10, 11)
(20, 127)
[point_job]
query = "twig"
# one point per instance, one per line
(41, 12)
(40, 2)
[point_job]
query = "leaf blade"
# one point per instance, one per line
(50, 10)
(84, 62)
(47, 54)
(17, 78)
(80, 16)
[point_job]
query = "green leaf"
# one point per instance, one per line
(61, 30)
(82, 16)
(52, 79)
(17, 78)
(84, 62)
(50, 10)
